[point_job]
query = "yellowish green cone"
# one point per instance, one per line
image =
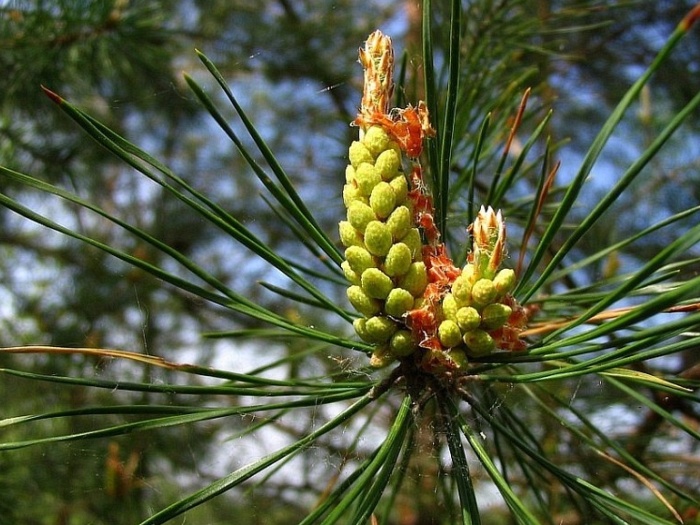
(383, 261)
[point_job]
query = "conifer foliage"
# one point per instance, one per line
(449, 353)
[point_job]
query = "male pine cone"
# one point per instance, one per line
(383, 260)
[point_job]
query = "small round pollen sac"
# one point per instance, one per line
(504, 281)
(397, 260)
(416, 279)
(359, 153)
(388, 163)
(349, 236)
(459, 358)
(449, 307)
(400, 186)
(379, 329)
(479, 342)
(359, 326)
(352, 194)
(359, 259)
(399, 223)
(362, 302)
(461, 290)
(378, 238)
(382, 200)
(402, 343)
(469, 272)
(413, 240)
(351, 275)
(375, 283)
(376, 140)
(398, 302)
(495, 315)
(484, 292)
(367, 177)
(360, 215)
(449, 334)
(468, 318)
(381, 357)
(349, 174)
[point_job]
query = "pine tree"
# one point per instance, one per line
(529, 396)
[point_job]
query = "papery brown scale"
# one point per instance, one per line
(423, 325)
(508, 336)
(423, 208)
(440, 267)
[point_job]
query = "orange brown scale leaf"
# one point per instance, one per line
(423, 209)
(423, 323)
(408, 127)
(411, 126)
(441, 270)
(508, 336)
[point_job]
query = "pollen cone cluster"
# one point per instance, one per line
(383, 250)
(413, 303)
(468, 313)
(478, 306)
